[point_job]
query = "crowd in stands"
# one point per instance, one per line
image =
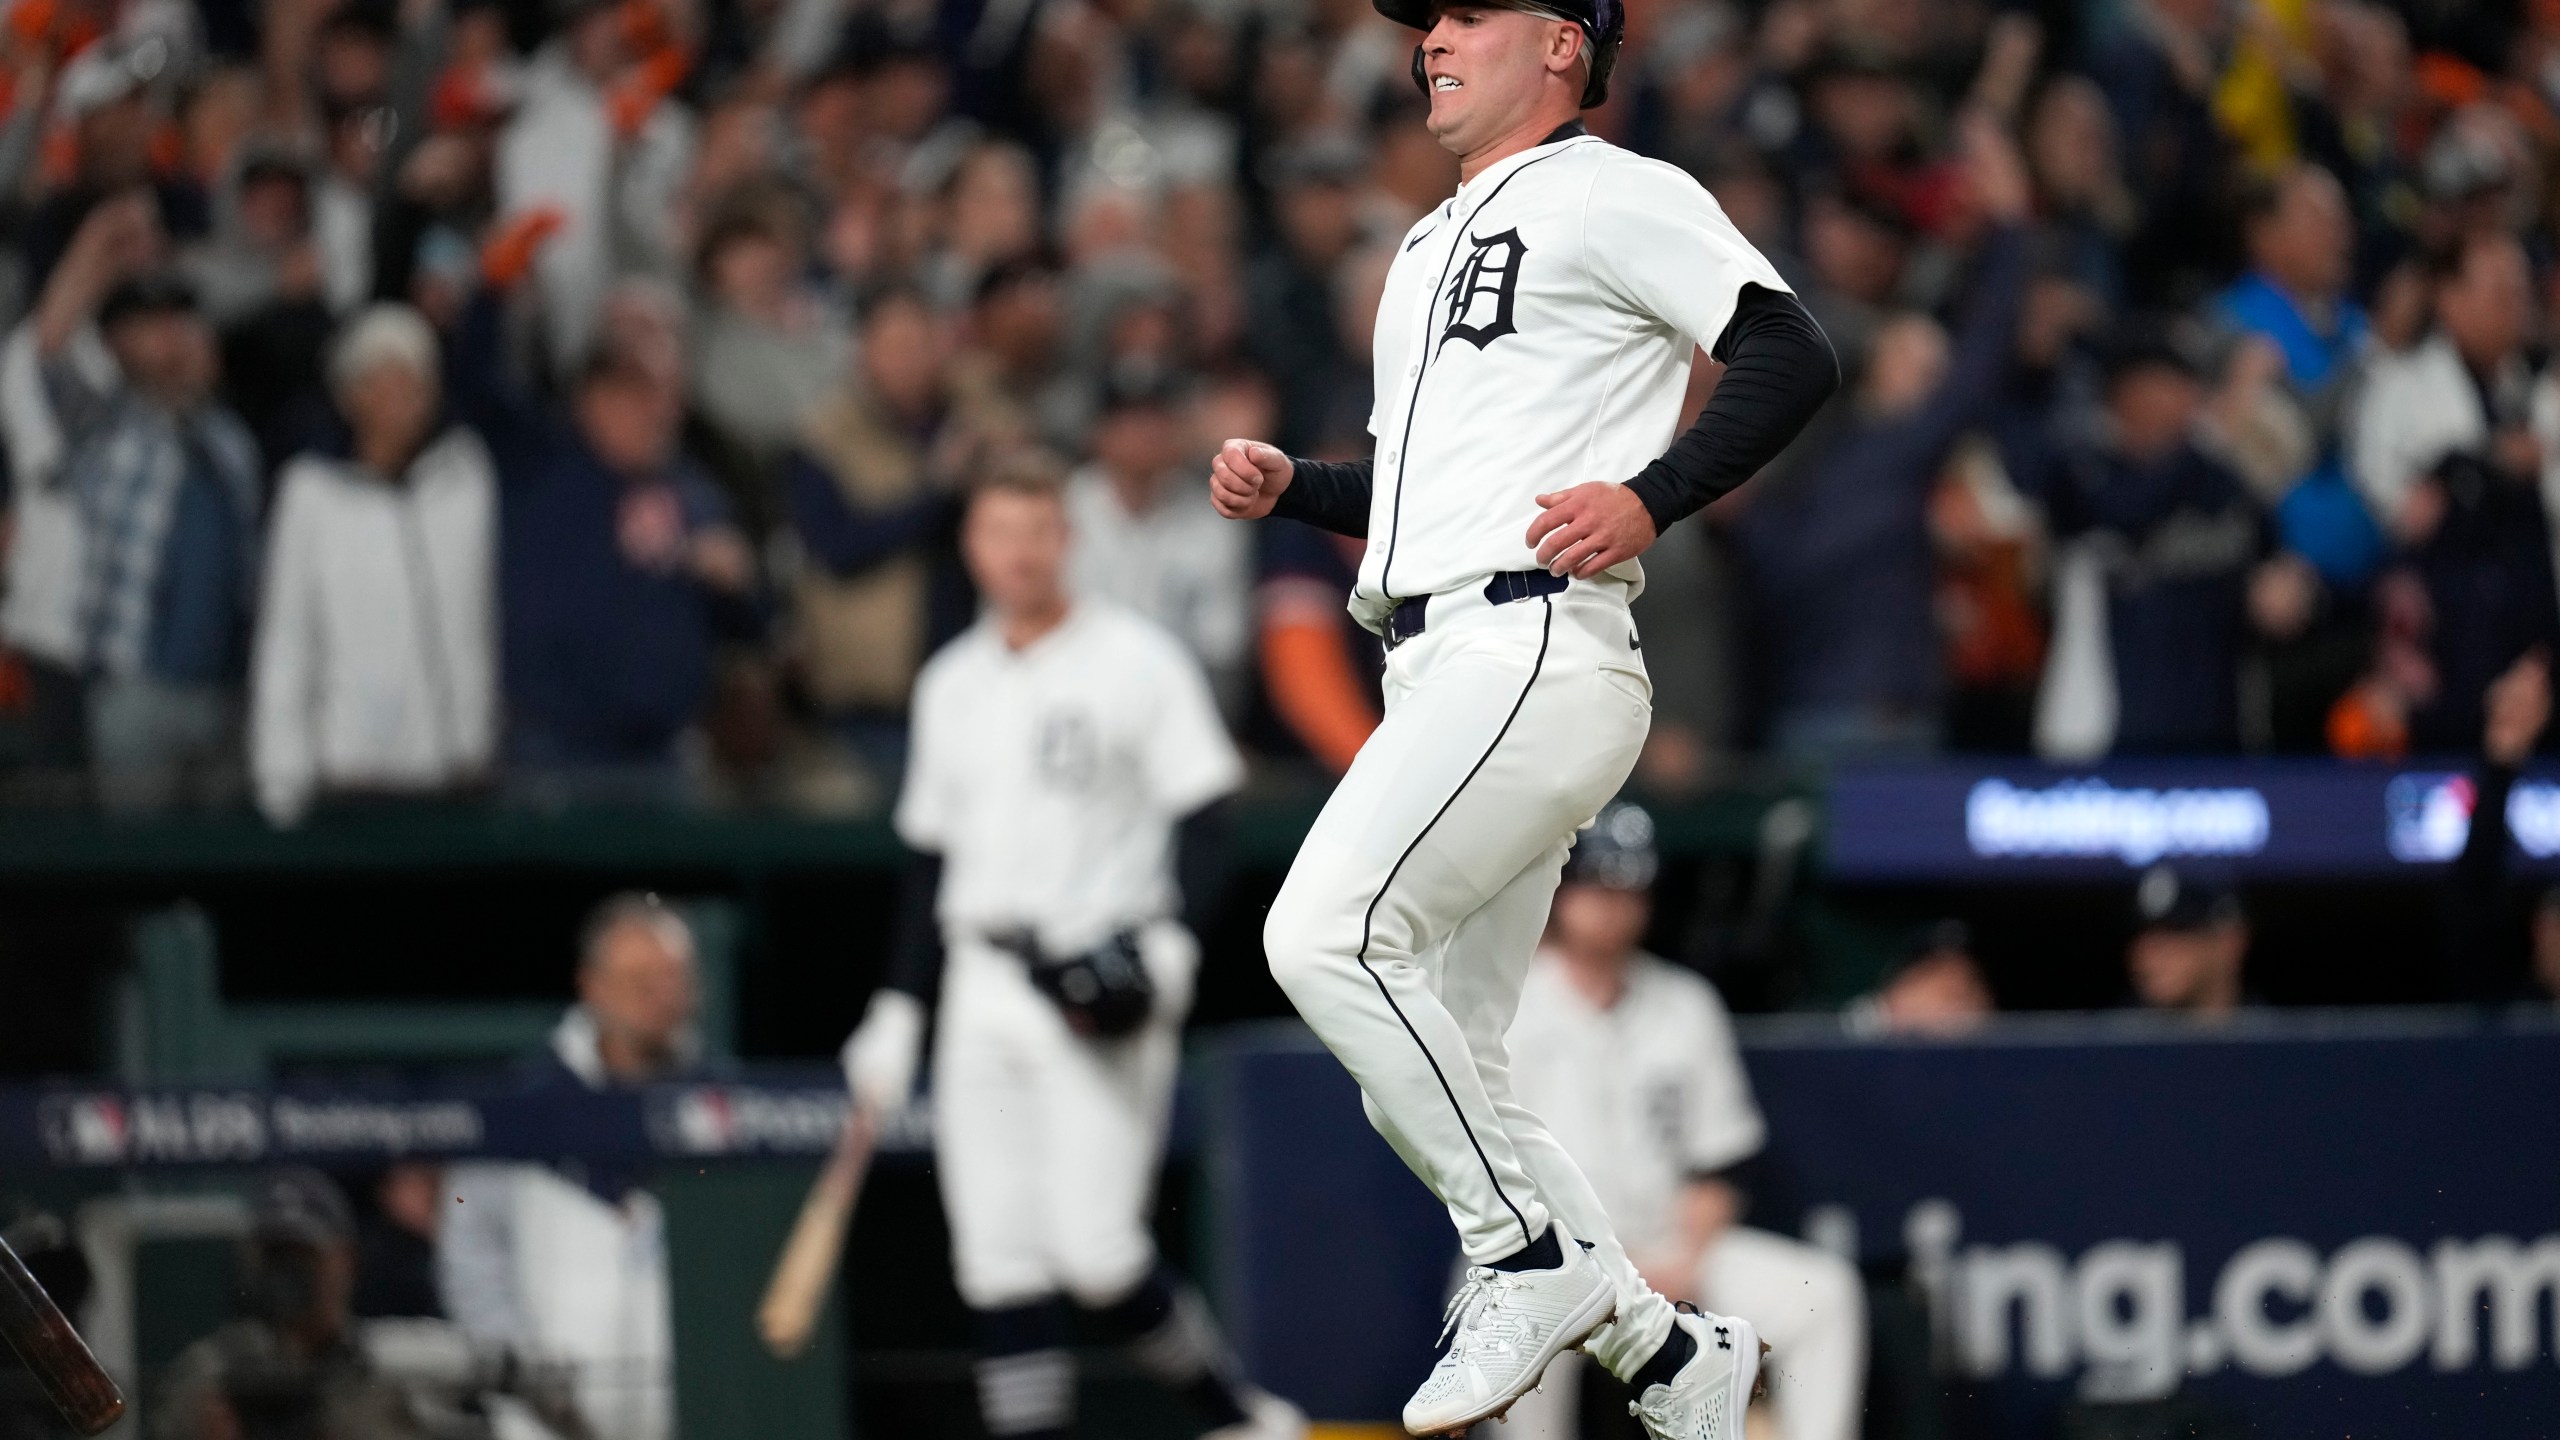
(572, 396)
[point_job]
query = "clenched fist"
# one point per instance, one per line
(1246, 479)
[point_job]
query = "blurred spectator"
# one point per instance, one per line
(289, 1366)
(871, 492)
(1146, 538)
(286, 1367)
(1007, 376)
(260, 277)
(396, 1242)
(2085, 211)
(2190, 943)
(1838, 542)
(300, 1365)
(260, 245)
(1100, 200)
(597, 139)
(1290, 286)
(1320, 670)
(2446, 453)
(619, 571)
(1935, 988)
(142, 495)
(569, 1265)
(376, 661)
(2165, 544)
(1631, 1062)
(2477, 914)
(2301, 243)
(765, 350)
(2158, 68)
(110, 93)
(2463, 390)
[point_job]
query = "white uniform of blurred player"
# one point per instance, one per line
(1531, 361)
(1057, 746)
(1631, 1061)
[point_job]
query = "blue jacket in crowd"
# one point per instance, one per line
(1842, 568)
(606, 662)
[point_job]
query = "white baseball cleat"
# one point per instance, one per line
(1706, 1400)
(1502, 1329)
(1267, 1417)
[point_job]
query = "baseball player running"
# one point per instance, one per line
(1631, 1062)
(1533, 344)
(1057, 747)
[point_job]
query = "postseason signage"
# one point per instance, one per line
(2272, 817)
(786, 1114)
(2291, 1232)
(2300, 1228)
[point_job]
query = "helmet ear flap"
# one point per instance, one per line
(1421, 78)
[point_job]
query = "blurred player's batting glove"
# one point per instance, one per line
(1502, 1329)
(880, 1056)
(1706, 1400)
(1268, 1417)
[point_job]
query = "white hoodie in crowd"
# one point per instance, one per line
(376, 659)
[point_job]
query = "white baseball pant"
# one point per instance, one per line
(1808, 1303)
(1046, 1144)
(1409, 918)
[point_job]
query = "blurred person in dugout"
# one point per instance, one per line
(2190, 944)
(1934, 987)
(374, 675)
(297, 1363)
(1632, 1061)
(568, 1264)
(1061, 802)
(135, 548)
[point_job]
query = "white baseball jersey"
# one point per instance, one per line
(1049, 779)
(1642, 1095)
(1536, 332)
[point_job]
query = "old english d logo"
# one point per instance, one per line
(1480, 298)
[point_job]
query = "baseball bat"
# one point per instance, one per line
(789, 1312)
(37, 1329)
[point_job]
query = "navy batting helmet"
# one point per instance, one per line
(1617, 852)
(1603, 22)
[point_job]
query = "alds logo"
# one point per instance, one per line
(1480, 299)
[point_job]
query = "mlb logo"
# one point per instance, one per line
(703, 1122)
(2428, 817)
(87, 1130)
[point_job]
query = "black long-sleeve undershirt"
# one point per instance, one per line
(1329, 494)
(1779, 370)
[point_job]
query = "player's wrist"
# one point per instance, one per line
(1659, 494)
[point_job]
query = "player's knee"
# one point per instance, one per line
(1291, 946)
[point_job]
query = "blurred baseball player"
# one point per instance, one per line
(1057, 747)
(1533, 346)
(1631, 1062)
